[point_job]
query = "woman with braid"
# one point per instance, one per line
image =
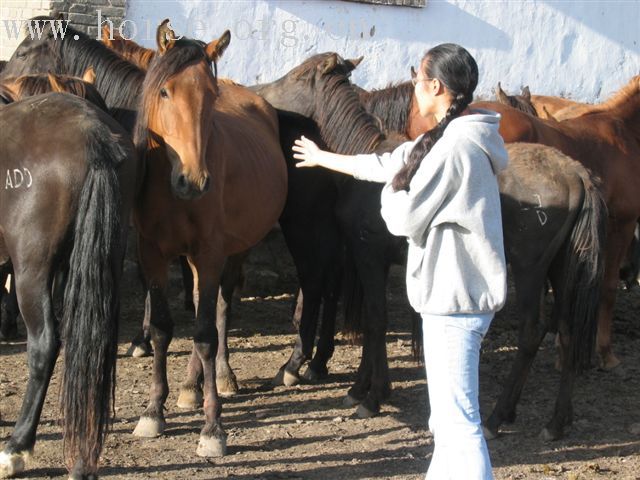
(442, 194)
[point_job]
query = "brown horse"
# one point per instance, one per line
(63, 213)
(17, 88)
(215, 185)
(607, 142)
(542, 106)
(553, 219)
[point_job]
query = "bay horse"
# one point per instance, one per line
(607, 142)
(543, 106)
(63, 213)
(553, 218)
(312, 237)
(215, 185)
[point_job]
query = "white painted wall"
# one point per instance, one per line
(582, 49)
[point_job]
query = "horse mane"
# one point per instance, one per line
(184, 52)
(391, 105)
(118, 81)
(31, 85)
(344, 123)
(623, 104)
(131, 51)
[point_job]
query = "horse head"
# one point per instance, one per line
(297, 90)
(178, 98)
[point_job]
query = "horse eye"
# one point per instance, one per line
(163, 93)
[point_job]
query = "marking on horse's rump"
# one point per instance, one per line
(18, 178)
(542, 216)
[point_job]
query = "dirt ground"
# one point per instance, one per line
(304, 432)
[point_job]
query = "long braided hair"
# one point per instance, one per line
(457, 70)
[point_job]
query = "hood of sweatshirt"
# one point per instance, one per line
(482, 128)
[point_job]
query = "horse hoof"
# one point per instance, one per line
(227, 386)
(547, 435)
(190, 399)
(312, 376)
(83, 477)
(12, 463)
(285, 378)
(149, 427)
(488, 434)
(212, 447)
(350, 401)
(364, 412)
(609, 362)
(139, 351)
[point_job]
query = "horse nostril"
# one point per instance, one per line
(182, 181)
(205, 186)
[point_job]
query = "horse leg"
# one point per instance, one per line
(226, 382)
(332, 285)
(207, 273)
(326, 339)
(300, 239)
(155, 267)
(618, 240)
(529, 287)
(372, 385)
(36, 305)
(9, 325)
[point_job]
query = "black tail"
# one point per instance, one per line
(584, 272)
(353, 298)
(90, 319)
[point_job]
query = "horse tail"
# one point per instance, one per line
(353, 298)
(584, 270)
(90, 318)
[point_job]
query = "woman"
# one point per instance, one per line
(442, 193)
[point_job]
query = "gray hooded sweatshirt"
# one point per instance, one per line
(451, 216)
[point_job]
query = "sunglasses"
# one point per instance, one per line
(414, 78)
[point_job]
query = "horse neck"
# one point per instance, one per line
(391, 105)
(345, 125)
(118, 81)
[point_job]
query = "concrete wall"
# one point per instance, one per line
(582, 49)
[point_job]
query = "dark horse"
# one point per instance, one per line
(553, 218)
(63, 214)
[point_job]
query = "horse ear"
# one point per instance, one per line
(165, 38)
(60, 16)
(89, 75)
(502, 96)
(216, 48)
(353, 63)
(56, 86)
(106, 34)
(329, 64)
(526, 93)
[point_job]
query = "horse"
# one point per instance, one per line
(215, 185)
(13, 89)
(311, 234)
(607, 142)
(542, 106)
(68, 192)
(553, 218)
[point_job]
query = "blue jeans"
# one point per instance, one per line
(451, 354)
